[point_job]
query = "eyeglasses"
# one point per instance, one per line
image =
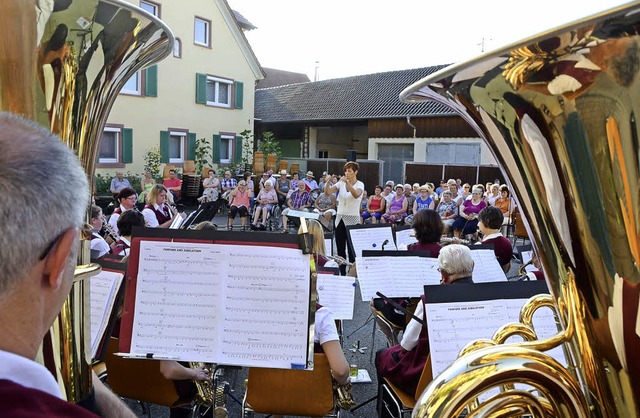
(132, 198)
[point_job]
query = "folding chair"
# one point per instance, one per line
(291, 392)
(519, 231)
(394, 403)
(140, 380)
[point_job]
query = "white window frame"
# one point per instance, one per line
(138, 88)
(183, 139)
(118, 140)
(154, 6)
(207, 32)
(216, 81)
(230, 138)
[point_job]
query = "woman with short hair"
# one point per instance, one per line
(239, 204)
(267, 197)
(428, 229)
(467, 223)
(127, 198)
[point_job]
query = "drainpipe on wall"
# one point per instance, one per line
(413, 126)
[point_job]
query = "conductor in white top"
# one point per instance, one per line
(350, 191)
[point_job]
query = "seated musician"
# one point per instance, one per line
(428, 229)
(183, 377)
(300, 200)
(127, 198)
(402, 364)
(317, 242)
(39, 253)
(98, 243)
(157, 213)
(126, 222)
(490, 221)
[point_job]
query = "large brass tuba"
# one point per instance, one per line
(559, 113)
(63, 63)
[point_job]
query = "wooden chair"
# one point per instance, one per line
(291, 392)
(140, 380)
(519, 231)
(189, 167)
(395, 403)
(167, 168)
(283, 165)
(295, 168)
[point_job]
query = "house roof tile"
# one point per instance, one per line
(368, 96)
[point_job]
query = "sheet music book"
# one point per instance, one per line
(476, 311)
(303, 214)
(245, 305)
(370, 237)
(486, 267)
(328, 243)
(103, 291)
(396, 276)
(177, 221)
(337, 293)
(404, 237)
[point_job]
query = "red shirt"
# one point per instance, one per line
(169, 183)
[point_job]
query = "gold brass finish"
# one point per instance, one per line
(558, 112)
(63, 65)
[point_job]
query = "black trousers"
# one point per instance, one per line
(341, 243)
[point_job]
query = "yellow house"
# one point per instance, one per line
(204, 90)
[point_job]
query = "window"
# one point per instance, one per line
(177, 48)
(150, 7)
(133, 85)
(110, 145)
(202, 32)
(453, 153)
(323, 153)
(116, 146)
(226, 148)
(219, 92)
(176, 146)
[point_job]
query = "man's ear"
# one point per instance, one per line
(56, 261)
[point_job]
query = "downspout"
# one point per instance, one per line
(413, 126)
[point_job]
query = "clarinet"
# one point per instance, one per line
(109, 230)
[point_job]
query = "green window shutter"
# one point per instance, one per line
(216, 148)
(191, 146)
(237, 154)
(127, 145)
(201, 88)
(239, 95)
(164, 146)
(151, 81)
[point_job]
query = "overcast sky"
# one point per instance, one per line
(353, 37)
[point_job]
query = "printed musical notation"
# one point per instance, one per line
(396, 276)
(371, 239)
(486, 267)
(404, 238)
(337, 293)
(453, 325)
(103, 289)
(230, 304)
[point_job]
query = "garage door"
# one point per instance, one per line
(393, 156)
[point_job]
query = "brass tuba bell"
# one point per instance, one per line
(558, 111)
(62, 64)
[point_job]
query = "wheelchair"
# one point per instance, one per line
(274, 216)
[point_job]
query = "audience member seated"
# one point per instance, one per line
(118, 183)
(173, 185)
(448, 211)
(146, 184)
(467, 223)
(402, 364)
(422, 202)
(283, 185)
(505, 204)
(300, 199)
(489, 222)
(127, 199)
(466, 191)
(397, 208)
(267, 198)
(211, 187)
(157, 213)
(492, 194)
(428, 228)
(410, 199)
(98, 244)
(455, 195)
(240, 203)
(310, 181)
(325, 205)
(375, 206)
(228, 184)
(126, 222)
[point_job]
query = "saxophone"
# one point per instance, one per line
(205, 395)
